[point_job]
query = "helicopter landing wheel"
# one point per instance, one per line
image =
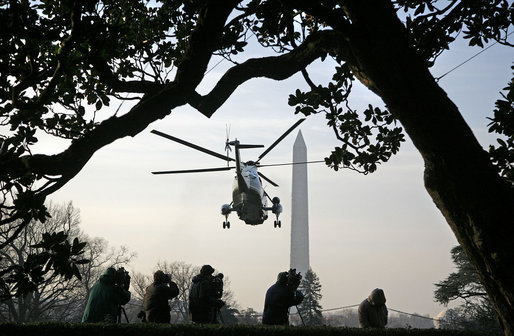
(226, 225)
(277, 224)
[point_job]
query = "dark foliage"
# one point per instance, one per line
(503, 124)
(475, 310)
(57, 256)
(44, 329)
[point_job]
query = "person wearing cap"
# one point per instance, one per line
(279, 297)
(373, 311)
(105, 299)
(203, 298)
(156, 298)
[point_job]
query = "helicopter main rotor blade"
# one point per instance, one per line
(201, 170)
(244, 146)
(280, 139)
(185, 143)
(289, 163)
(267, 179)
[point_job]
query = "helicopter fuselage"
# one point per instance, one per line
(248, 197)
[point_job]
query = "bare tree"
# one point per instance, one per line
(181, 273)
(56, 298)
(138, 283)
(52, 295)
(101, 257)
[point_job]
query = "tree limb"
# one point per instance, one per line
(274, 67)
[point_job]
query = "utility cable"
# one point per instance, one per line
(469, 59)
(425, 317)
(397, 311)
(224, 59)
(322, 310)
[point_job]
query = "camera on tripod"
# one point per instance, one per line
(122, 278)
(293, 278)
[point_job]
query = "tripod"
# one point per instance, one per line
(217, 313)
(300, 314)
(118, 317)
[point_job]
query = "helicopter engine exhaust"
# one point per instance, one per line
(225, 209)
(276, 208)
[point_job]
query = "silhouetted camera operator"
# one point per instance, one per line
(373, 311)
(156, 298)
(205, 296)
(107, 296)
(280, 296)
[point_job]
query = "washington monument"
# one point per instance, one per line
(299, 209)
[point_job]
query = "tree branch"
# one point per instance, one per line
(154, 105)
(275, 67)
(62, 59)
(108, 77)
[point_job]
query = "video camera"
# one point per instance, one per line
(122, 278)
(217, 282)
(166, 278)
(293, 278)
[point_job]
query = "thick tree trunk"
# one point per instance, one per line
(459, 176)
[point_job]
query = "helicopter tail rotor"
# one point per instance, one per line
(227, 145)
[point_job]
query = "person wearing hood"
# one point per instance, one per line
(156, 298)
(373, 311)
(279, 297)
(105, 298)
(204, 298)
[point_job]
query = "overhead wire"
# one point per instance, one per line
(224, 59)
(322, 310)
(415, 315)
(395, 310)
(469, 59)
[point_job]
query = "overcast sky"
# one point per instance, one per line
(380, 230)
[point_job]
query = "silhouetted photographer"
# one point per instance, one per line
(155, 302)
(107, 296)
(205, 296)
(280, 297)
(373, 311)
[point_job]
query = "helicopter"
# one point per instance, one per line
(249, 199)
